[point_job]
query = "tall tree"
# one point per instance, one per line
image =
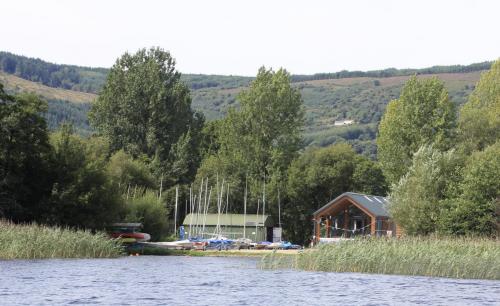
(258, 142)
(24, 152)
(266, 132)
(145, 109)
(422, 115)
(479, 122)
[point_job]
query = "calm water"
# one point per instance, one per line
(148, 280)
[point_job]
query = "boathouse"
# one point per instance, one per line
(232, 226)
(354, 214)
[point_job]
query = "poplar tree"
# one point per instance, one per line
(423, 115)
(145, 109)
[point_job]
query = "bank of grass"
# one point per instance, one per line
(474, 258)
(32, 241)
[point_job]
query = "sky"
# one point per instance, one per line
(236, 37)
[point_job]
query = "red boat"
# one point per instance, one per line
(128, 231)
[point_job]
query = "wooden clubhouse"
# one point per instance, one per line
(354, 214)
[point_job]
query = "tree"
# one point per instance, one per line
(256, 143)
(128, 173)
(24, 152)
(415, 201)
(479, 121)
(148, 209)
(422, 115)
(82, 194)
(145, 109)
(320, 175)
(477, 209)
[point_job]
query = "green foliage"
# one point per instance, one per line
(62, 112)
(24, 156)
(127, 172)
(150, 210)
(258, 142)
(82, 193)
(422, 115)
(415, 199)
(320, 175)
(479, 122)
(145, 109)
(265, 133)
(476, 208)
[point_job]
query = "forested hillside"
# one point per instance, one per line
(360, 96)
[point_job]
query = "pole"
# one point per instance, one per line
(175, 212)
(245, 209)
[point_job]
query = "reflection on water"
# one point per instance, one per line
(147, 280)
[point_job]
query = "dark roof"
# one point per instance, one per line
(229, 220)
(376, 205)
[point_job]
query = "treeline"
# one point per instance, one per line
(440, 171)
(88, 79)
(392, 72)
(71, 77)
(444, 169)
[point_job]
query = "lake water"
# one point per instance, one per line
(148, 280)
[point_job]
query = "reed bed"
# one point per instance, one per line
(474, 258)
(32, 241)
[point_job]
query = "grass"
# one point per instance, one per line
(32, 241)
(473, 258)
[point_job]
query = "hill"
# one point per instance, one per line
(355, 95)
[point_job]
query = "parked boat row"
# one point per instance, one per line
(220, 244)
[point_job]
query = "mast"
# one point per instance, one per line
(175, 212)
(245, 209)
(264, 206)
(279, 208)
(227, 206)
(257, 219)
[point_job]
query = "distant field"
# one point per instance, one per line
(16, 84)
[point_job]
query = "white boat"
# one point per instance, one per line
(172, 245)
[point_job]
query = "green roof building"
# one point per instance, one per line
(232, 226)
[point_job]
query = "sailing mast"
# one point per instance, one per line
(245, 209)
(264, 206)
(257, 219)
(175, 212)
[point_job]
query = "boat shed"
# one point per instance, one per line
(354, 214)
(232, 226)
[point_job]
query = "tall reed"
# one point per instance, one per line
(428, 256)
(32, 241)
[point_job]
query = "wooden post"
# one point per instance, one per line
(346, 222)
(373, 226)
(317, 226)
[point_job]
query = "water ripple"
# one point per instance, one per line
(146, 280)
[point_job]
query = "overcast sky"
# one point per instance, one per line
(237, 37)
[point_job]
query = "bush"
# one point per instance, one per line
(148, 209)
